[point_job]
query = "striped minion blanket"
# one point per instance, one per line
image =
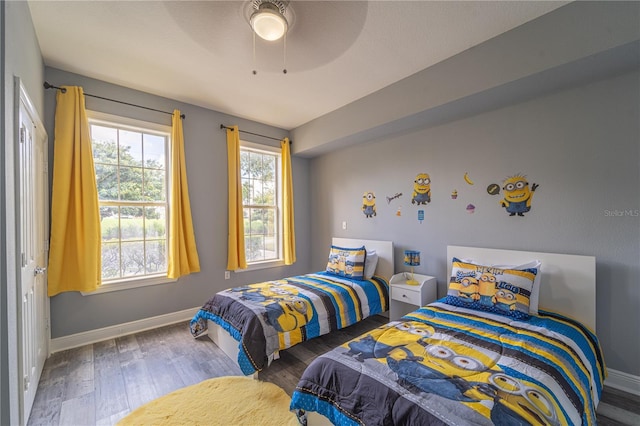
(443, 364)
(274, 315)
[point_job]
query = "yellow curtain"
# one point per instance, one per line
(183, 254)
(236, 257)
(289, 234)
(74, 256)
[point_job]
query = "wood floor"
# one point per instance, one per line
(101, 383)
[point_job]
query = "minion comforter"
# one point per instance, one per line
(451, 365)
(267, 317)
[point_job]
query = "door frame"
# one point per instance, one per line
(21, 96)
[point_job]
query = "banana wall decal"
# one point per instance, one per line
(467, 178)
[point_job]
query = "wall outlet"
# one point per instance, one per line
(227, 275)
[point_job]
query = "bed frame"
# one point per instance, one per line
(384, 268)
(568, 284)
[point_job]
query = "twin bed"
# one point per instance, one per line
(251, 324)
(525, 354)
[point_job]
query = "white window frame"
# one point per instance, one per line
(267, 149)
(126, 123)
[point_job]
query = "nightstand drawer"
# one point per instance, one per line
(407, 296)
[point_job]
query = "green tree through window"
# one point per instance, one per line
(259, 171)
(131, 176)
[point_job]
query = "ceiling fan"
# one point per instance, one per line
(268, 19)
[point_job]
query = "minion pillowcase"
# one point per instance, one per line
(491, 289)
(347, 262)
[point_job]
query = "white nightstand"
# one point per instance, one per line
(407, 298)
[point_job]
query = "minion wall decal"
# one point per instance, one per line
(369, 204)
(517, 195)
(421, 189)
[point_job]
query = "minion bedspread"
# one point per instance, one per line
(450, 365)
(276, 315)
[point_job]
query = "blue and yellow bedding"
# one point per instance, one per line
(274, 315)
(443, 364)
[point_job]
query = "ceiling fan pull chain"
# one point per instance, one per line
(284, 71)
(254, 53)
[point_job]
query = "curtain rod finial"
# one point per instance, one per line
(51, 86)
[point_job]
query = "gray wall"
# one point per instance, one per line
(580, 145)
(557, 99)
(206, 158)
(20, 58)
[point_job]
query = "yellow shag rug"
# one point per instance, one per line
(227, 401)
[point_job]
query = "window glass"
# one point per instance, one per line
(131, 175)
(261, 204)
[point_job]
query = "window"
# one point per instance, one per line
(260, 173)
(131, 163)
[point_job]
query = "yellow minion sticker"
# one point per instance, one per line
(421, 189)
(517, 195)
(369, 204)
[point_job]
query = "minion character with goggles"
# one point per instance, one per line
(381, 341)
(517, 195)
(471, 376)
(466, 284)
(487, 288)
(421, 189)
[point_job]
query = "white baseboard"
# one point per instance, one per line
(106, 333)
(623, 381)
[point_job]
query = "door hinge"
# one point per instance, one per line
(23, 132)
(23, 260)
(46, 245)
(26, 382)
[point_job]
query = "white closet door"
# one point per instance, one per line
(34, 303)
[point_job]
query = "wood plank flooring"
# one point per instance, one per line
(101, 383)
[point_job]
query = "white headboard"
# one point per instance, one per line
(384, 249)
(568, 284)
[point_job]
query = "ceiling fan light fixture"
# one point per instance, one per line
(268, 22)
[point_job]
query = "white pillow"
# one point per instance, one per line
(370, 263)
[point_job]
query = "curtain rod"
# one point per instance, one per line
(222, 126)
(51, 86)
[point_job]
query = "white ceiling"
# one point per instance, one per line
(201, 52)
